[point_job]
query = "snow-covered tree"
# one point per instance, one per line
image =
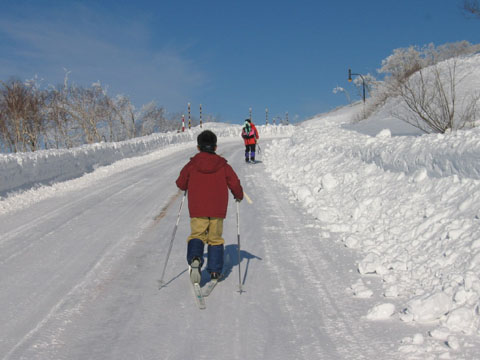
(339, 89)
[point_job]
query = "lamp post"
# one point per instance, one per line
(363, 81)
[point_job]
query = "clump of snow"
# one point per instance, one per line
(385, 133)
(418, 339)
(360, 290)
(462, 320)
(328, 182)
(428, 307)
(381, 312)
(453, 342)
(371, 264)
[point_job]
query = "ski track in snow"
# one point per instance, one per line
(60, 220)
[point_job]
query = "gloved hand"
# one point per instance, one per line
(238, 200)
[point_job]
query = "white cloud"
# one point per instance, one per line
(94, 46)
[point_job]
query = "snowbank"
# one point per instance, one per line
(409, 204)
(24, 170)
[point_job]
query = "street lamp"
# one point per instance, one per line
(363, 81)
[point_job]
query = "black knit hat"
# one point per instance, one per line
(207, 141)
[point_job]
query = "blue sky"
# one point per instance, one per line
(227, 55)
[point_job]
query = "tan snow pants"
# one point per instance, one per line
(207, 229)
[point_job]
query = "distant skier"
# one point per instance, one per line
(250, 137)
(207, 177)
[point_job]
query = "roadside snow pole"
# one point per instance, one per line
(189, 118)
(266, 116)
(201, 116)
(240, 290)
(162, 284)
(183, 123)
(286, 117)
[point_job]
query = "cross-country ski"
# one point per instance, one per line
(199, 297)
(208, 288)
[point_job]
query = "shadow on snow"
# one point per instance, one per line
(230, 261)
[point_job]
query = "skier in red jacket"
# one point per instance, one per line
(207, 177)
(250, 137)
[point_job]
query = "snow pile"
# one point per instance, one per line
(444, 155)
(410, 205)
(381, 312)
(24, 170)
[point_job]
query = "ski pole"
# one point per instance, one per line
(239, 258)
(162, 284)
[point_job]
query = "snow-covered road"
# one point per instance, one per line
(80, 270)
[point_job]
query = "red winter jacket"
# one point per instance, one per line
(207, 177)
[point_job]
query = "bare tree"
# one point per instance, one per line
(22, 116)
(13, 96)
(86, 108)
(69, 115)
(34, 125)
(59, 121)
(431, 100)
(471, 7)
(123, 113)
(6, 143)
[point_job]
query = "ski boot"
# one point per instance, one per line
(195, 272)
(215, 276)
